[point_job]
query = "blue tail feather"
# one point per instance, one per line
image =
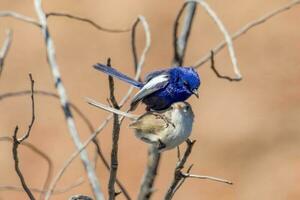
(113, 72)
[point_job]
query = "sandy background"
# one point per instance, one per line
(246, 131)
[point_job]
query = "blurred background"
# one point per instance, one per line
(247, 132)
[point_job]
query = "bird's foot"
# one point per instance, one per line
(161, 145)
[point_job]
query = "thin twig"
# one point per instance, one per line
(43, 191)
(180, 43)
(40, 153)
(133, 44)
(82, 116)
(86, 20)
(80, 197)
(187, 175)
(146, 188)
(64, 102)
(246, 28)
(183, 179)
(115, 139)
(179, 167)
(213, 67)
(5, 48)
(224, 31)
(17, 168)
(20, 17)
(109, 117)
(26, 135)
(17, 142)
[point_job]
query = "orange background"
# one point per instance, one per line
(247, 131)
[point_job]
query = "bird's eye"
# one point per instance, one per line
(185, 83)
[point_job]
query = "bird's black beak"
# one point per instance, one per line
(195, 92)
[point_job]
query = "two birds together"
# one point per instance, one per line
(169, 119)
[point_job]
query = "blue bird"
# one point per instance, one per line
(161, 88)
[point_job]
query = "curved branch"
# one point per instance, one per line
(5, 48)
(246, 28)
(20, 17)
(224, 31)
(105, 122)
(86, 20)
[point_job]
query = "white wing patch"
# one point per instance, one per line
(156, 81)
(153, 85)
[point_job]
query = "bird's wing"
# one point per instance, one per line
(149, 123)
(154, 74)
(155, 84)
(113, 72)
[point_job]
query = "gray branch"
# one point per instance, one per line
(245, 29)
(180, 43)
(109, 117)
(177, 173)
(4, 49)
(64, 102)
(20, 17)
(86, 20)
(17, 142)
(146, 188)
(115, 139)
(224, 31)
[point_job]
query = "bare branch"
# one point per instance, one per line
(115, 138)
(64, 101)
(80, 197)
(26, 135)
(146, 188)
(177, 173)
(20, 17)
(43, 191)
(40, 153)
(212, 65)
(180, 43)
(246, 28)
(110, 109)
(227, 37)
(4, 49)
(17, 168)
(109, 117)
(133, 45)
(17, 142)
(186, 175)
(88, 21)
(146, 28)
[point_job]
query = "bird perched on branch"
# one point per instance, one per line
(160, 88)
(166, 128)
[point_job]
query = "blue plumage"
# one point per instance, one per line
(160, 88)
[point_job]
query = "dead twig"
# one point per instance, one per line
(180, 43)
(213, 67)
(17, 142)
(20, 17)
(81, 115)
(42, 191)
(179, 167)
(64, 102)
(146, 188)
(109, 117)
(115, 139)
(5, 48)
(224, 31)
(245, 29)
(86, 20)
(40, 153)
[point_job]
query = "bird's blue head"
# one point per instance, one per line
(188, 79)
